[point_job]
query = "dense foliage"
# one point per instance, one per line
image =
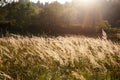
(27, 17)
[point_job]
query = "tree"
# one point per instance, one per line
(3, 13)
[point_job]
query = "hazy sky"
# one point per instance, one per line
(61, 1)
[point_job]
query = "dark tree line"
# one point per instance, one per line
(55, 18)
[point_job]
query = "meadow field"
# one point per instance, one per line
(59, 58)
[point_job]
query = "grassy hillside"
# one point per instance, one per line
(60, 58)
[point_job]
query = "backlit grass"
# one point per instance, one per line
(59, 58)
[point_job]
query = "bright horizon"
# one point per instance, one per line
(43, 1)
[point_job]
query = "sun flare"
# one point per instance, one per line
(43, 1)
(89, 2)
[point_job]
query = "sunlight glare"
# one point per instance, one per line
(89, 2)
(43, 1)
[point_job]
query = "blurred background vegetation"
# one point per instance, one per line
(25, 17)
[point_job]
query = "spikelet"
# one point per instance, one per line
(104, 35)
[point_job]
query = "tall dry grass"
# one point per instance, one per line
(59, 58)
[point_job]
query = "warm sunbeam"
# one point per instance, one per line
(89, 2)
(43, 1)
